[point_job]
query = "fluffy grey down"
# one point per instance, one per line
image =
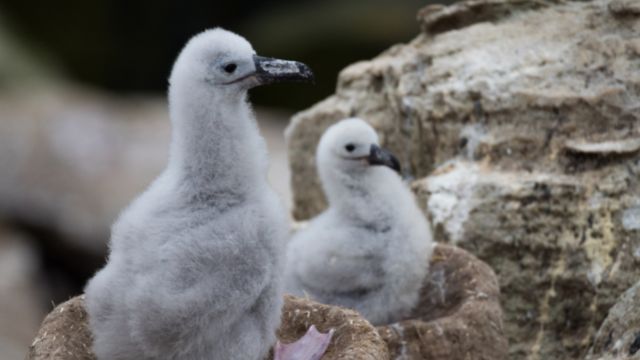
(369, 250)
(195, 261)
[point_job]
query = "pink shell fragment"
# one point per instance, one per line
(311, 346)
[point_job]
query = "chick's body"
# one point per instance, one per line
(202, 285)
(369, 250)
(195, 265)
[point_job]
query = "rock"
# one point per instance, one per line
(619, 335)
(65, 334)
(458, 317)
(623, 8)
(437, 18)
(549, 237)
(72, 159)
(517, 123)
(619, 147)
(21, 305)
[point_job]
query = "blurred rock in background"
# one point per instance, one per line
(21, 308)
(518, 123)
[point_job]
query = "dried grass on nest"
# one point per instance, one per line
(459, 314)
(354, 337)
(65, 334)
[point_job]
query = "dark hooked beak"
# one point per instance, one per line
(269, 71)
(382, 156)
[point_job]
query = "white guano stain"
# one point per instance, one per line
(631, 218)
(451, 198)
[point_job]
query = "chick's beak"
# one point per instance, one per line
(270, 70)
(382, 156)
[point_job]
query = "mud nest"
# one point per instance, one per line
(458, 316)
(65, 334)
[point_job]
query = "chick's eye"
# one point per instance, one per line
(230, 68)
(349, 147)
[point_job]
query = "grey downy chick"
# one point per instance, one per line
(195, 263)
(369, 250)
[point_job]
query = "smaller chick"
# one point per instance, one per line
(370, 249)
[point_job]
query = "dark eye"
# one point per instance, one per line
(230, 68)
(349, 147)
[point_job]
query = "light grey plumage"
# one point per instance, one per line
(369, 250)
(195, 261)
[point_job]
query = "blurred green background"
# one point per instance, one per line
(129, 46)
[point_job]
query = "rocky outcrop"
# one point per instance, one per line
(563, 247)
(65, 333)
(517, 122)
(619, 335)
(458, 316)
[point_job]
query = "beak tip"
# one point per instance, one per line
(272, 70)
(306, 73)
(381, 156)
